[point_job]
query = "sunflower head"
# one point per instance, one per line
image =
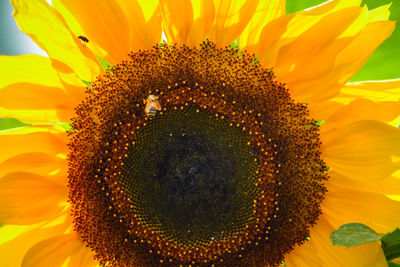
(226, 169)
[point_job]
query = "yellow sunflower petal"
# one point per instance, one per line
(362, 109)
(285, 29)
(387, 186)
(303, 255)
(14, 144)
(36, 162)
(76, 27)
(48, 29)
(178, 24)
(231, 18)
(367, 255)
(82, 258)
(364, 150)
(293, 60)
(346, 63)
(343, 206)
(15, 240)
(32, 69)
(105, 24)
(30, 96)
(144, 19)
(315, 69)
(354, 56)
(27, 198)
(321, 111)
(380, 13)
(387, 90)
(305, 19)
(265, 13)
(26, 80)
(220, 21)
(53, 251)
(31, 116)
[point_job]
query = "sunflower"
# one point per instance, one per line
(194, 151)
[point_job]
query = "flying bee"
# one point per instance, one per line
(152, 105)
(83, 39)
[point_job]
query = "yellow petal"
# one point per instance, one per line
(82, 258)
(144, 20)
(364, 150)
(367, 255)
(386, 90)
(37, 163)
(178, 24)
(15, 240)
(343, 206)
(303, 255)
(76, 28)
(297, 61)
(105, 24)
(53, 251)
(220, 21)
(315, 69)
(31, 83)
(380, 13)
(35, 96)
(54, 128)
(48, 29)
(322, 110)
(231, 18)
(307, 18)
(362, 109)
(354, 56)
(285, 29)
(346, 63)
(32, 69)
(387, 186)
(31, 116)
(265, 13)
(12, 145)
(27, 198)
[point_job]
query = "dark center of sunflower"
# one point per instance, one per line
(193, 157)
(190, 175)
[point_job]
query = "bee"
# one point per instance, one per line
(152, 105)
(83, 39)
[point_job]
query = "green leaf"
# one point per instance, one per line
(391, 244)
(10, 123)
(393, 236)
(353, 234)
(392, 264)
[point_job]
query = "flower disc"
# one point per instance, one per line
(223, 169)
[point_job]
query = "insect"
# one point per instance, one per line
(152, 105)
(83, 39)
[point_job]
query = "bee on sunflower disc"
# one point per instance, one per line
(152, 105)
